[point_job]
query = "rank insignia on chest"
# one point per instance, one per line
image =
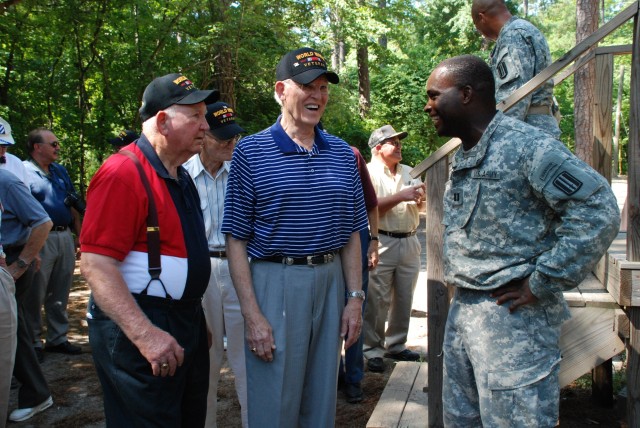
(502, 70)
(456, 197)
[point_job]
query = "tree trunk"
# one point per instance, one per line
(584, 82)
(364, 86)
(223, 60)
(382, 40)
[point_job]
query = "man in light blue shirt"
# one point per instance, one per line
(210, 171)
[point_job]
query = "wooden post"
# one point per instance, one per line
(602, 376)
(437, 294)
(602, 111)
(615, 151)
(633, 231)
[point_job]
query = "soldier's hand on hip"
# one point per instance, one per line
(517, 291)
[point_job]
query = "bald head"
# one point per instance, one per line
(489, 16)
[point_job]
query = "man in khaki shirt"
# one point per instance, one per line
(400, 198)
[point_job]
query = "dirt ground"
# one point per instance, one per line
(78, 399)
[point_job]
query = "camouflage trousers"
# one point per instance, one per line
(500, 368)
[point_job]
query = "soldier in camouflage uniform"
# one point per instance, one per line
(524, 221)
(520, 53)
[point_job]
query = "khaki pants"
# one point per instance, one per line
(8, 339)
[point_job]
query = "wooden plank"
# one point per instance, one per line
(602, 116)
(591, 285)
(394, 397)
(614, 49)
(415, 412)
(438, 301)
(585, 58)
(633, 369)
(574, 299)
(443, 151)
(602, 384)
(624, 284)
(587, 340)
(577, 65)
(622, 324)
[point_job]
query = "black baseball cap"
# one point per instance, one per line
(304, 65)
(222, 121)
(124, 137)
(172, 89)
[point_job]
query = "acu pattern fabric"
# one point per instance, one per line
(520, 53)
(517, 205)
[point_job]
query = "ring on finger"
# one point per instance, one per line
(164, 366)
(253, 350)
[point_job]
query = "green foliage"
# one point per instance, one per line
(80, 66)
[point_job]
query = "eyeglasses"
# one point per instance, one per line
(231, 140)
(53, 144)
(310, 89)
(395, 143)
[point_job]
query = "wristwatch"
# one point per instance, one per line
(21, 263)
(356, 294)
(375, 238)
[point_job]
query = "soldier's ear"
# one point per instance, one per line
(467, 94)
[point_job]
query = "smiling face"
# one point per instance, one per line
(390, 151)
(303, 105)
(444, 102)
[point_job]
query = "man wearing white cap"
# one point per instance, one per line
(8, 161)
(400, 198)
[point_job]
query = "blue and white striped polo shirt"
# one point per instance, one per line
(285, 200)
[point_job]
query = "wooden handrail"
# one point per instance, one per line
(539, 79)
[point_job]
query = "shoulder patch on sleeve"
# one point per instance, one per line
(563, 176)
(567, 183)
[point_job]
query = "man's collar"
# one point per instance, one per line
(288, 146)
(149, 152)
(195, 167)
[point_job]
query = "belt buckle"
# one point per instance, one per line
(287, 260)
(310, 261)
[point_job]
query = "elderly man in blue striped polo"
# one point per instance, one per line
(294, 205)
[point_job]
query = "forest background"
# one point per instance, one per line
(79, 67)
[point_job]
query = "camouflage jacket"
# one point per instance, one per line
(520, 53)
(520, 204)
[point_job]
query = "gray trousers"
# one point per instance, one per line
(51, 288)
(390, 296)
(8, 339)
(304, 306)
(500, 368)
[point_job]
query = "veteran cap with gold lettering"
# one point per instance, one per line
(222, 121)
(304, 65)
(172, 89)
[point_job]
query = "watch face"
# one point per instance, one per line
(21, 263)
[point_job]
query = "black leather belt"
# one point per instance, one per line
(59, 228)
(397, 234)
(305, 260)
(218, 254)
